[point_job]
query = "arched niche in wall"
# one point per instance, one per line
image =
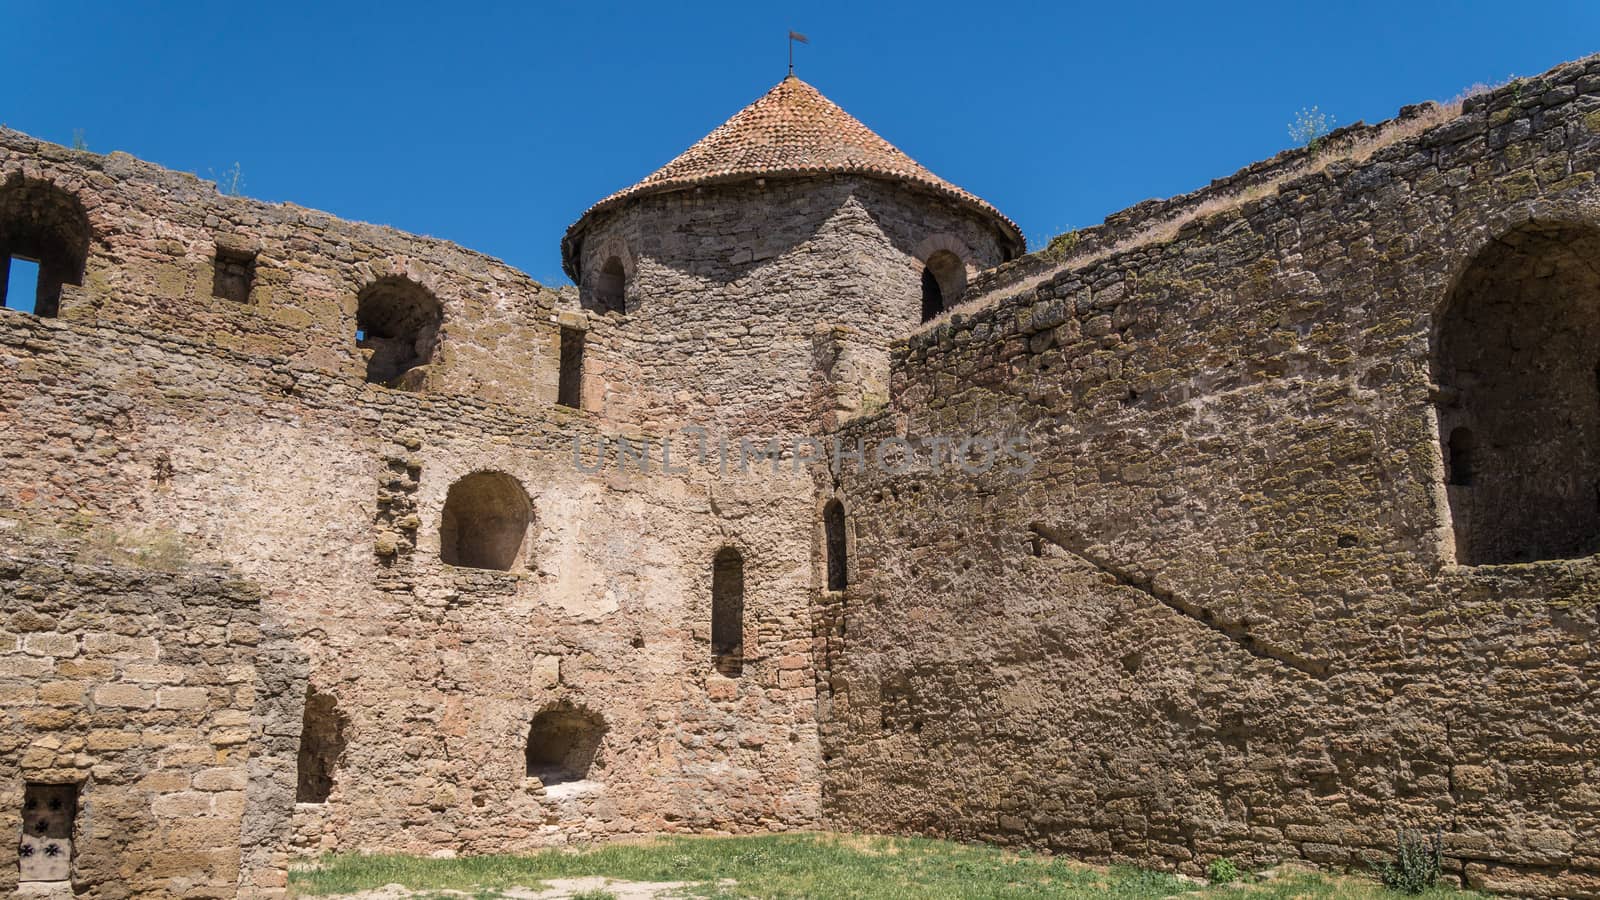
(397, 329)
(1517, 359)
(44, 244)
(485, 522)
(323, 736)
(564, 743)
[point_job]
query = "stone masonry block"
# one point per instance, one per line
(131, 696)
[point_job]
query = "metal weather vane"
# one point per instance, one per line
(795, 36)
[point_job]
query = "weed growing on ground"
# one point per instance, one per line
(1222, 870)
(1416, 865)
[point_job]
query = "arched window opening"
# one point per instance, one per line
(833, 531)
(569, 386)
(322, 743)
(485, 522)
(727, 612)
(1460, 457)
(1516, 355)
(611, 287)
(397, 330)
(564, 744)
(44, 243)
(944, 278)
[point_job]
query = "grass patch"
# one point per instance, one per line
(1315, 885)
(813, 866)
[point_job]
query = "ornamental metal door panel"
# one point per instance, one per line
(48, 811)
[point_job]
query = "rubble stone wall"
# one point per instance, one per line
(754, 307)
(151, 263)
(1222, 613)
(138, 687)
(441, 669)
(1224, 609)
(246, 436)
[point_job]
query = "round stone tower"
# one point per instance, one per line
(758, 279)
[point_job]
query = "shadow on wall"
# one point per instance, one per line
(1517, 359)
(808, 208)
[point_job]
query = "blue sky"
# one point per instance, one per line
(495, 125)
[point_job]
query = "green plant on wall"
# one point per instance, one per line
(1309, 126)
(1062, 245)
(231, 182)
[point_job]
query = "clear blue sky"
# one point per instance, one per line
(496, 124)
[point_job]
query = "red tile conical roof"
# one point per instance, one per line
(791, 131)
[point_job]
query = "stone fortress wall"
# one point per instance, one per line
(129, 696)
(1260, 596)
(150, 413)
(1303, 555)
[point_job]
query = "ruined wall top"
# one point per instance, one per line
(166, 252)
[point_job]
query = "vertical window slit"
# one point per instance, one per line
(834, 534)
(569, 387)
(727, 612)
(1461, 457)
(322, 742)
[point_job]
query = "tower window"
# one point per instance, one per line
(727, 612)
(611, 287)
(485, 522)
(932, 297)
(233, 275)
(833, 532)
(322, 742)
(944, 278)
(569, 388)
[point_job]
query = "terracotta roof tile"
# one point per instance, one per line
(792, 130)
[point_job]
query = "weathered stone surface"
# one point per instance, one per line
(1222, 612)
(101, 731)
